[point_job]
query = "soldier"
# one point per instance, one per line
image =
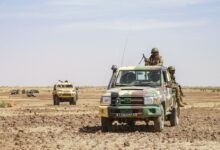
(177, 87)
(155, 59)
(129, 77)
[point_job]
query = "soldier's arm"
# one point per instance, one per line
(181, 91)
(161, 61)
(147, 62)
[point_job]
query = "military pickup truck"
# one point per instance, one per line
(32, 93)
(15, 92)
(64, 91)
(142, 93)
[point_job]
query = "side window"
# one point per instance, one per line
(168, 76)
(162, 78)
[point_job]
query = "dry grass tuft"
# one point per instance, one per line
(3, 104)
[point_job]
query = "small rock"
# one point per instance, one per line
(126, 144)
(58, 147)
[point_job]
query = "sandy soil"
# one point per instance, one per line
(34, 123)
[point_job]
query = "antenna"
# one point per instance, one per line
(125, 46)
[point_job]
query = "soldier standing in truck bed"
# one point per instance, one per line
(155, 58)
(177, 87)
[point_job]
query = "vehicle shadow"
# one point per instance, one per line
(118, 129)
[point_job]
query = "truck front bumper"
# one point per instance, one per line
(66, 96)
(130, 111)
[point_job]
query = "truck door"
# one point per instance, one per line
(167, 90)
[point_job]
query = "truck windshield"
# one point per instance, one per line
(150, 78)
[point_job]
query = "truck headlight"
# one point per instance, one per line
(105, 100)
(151, 100)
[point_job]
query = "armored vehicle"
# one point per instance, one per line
(64, 91)
(140, 93)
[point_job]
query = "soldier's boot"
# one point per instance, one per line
(180, 104)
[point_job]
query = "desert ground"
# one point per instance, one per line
(34, 123)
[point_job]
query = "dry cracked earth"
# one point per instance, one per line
(34, 123)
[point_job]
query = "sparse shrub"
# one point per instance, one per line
(203, 90)
(11, 104)
(2, 104)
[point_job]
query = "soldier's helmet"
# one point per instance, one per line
(155, 50)
(171, 68)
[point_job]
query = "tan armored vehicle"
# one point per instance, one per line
(64, 91)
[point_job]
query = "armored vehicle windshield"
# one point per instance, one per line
(65, 86)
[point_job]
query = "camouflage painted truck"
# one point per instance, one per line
(63, 91)
(139, 94)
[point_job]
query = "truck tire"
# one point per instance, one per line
(72, 101)
(159, 121)
(174, 117)
(106, 124)
(131, 123)
(56, 100)
(77, 96)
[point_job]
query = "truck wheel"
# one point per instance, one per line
(174, 117)
(131, 123)
(106, 124)
(159, 121)
(72, 101)
(56, 100)
(77, 96)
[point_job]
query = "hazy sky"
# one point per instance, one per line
(42, 41)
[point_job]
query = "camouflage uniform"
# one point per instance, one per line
(176, 86)
(155, 59)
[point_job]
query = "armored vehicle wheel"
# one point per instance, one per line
(106, 124)
(174, 117)
(72, 101)
(159, 121)
(56, 100)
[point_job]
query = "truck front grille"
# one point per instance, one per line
(128, 101)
